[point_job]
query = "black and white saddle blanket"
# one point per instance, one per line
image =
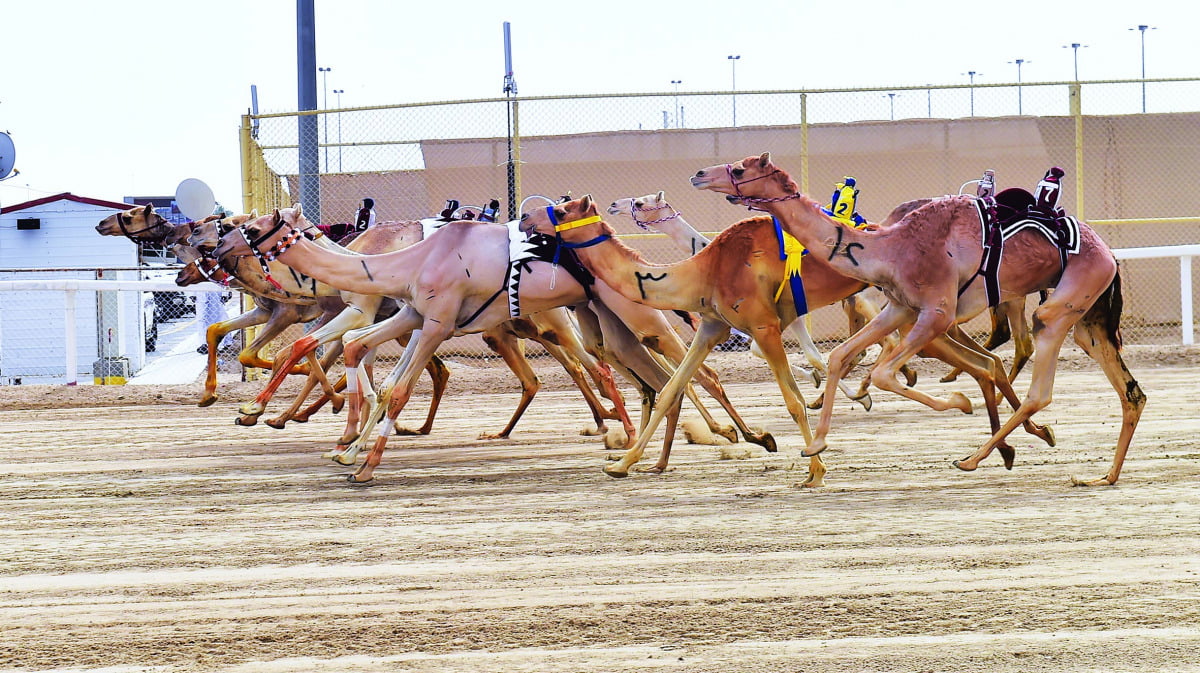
(1004, 216)
(522, 252)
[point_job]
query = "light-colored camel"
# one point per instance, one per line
(358, 310)
(929, 297)
(652, 212)
(277, 309)
(449, 284)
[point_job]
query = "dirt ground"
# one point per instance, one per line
(141, 533)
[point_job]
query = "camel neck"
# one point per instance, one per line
(662, 286)
(363, 274)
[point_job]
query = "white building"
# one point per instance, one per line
(55, 238)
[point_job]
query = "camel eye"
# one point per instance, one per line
(738, 172)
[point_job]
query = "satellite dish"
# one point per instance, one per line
(8, 155)
(195, 199)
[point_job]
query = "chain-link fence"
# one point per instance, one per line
(1121, 142)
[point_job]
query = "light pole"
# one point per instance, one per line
(892, 104)
(677, 82)
(1074, 46)
(929, 101)
(325, 105)
(733, 83)
(971, 74)
(338, 93)
(1142, 29)
(1019, 62)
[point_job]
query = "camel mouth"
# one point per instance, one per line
(699, 181)
(614, 210)
(733, 199)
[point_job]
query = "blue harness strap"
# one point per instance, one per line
(791, 270)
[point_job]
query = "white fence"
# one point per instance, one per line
(69, 325)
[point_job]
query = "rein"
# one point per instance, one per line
(747, 200)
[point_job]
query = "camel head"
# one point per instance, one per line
(633, 205)
(566, 216)
(137, 224)
(262, 233)
(746, 180)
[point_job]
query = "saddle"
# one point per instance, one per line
(1014, 210)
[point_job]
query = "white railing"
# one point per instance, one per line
(1185, 253)
(70, 287)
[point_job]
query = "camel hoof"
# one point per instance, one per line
(277, 423)
(1102, 481)
(653, 469)
(813, 481)
(910, 376)
(948, 378)
(487, 435)
(353, 479)
(341, 459)
(962, 465)
(865, 401)
(1009, 454)
(815, 450)
(959, 401)
(347, 439)
(207, 401)
(246, 421)
(765, 440)
(615, 473)
(339, 401)
(817, 403)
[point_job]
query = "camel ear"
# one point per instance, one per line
(299, 208)
(254, 214)
(148, 210)
(765, 159)
(276, 218)
(661, 196)
(585, 202)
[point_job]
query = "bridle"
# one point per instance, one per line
(645, 225)
(748, 200)
(281, 246)
(560, 227)
(124, 220)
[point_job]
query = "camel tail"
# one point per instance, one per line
(1107, 310)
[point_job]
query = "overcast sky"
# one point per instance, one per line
(129, 97)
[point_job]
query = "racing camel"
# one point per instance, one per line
(946, 287)
(276, 309)
(450, 283)
(348, 310)
(652, 212)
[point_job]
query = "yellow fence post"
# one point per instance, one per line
(804, 143)
(1077, 115)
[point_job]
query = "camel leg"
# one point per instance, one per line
(288, 357)
(439, 373)
(317, 376)
(708, 335)
(346, 453)
(1022, 340)
(769, 340)
(506, 345)
(1103, 347)
(306, 413)
(928, 326)
(360, 349)
(213, 336)
(727, 431)
(434, 332)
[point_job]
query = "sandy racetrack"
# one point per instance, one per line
(144, 533)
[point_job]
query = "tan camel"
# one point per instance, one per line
(449, 284)
(945, 288)
(357, 310)
(277, 309)
(652, 212)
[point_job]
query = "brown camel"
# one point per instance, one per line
(449, 284)
(928, 298)
(733, 282)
